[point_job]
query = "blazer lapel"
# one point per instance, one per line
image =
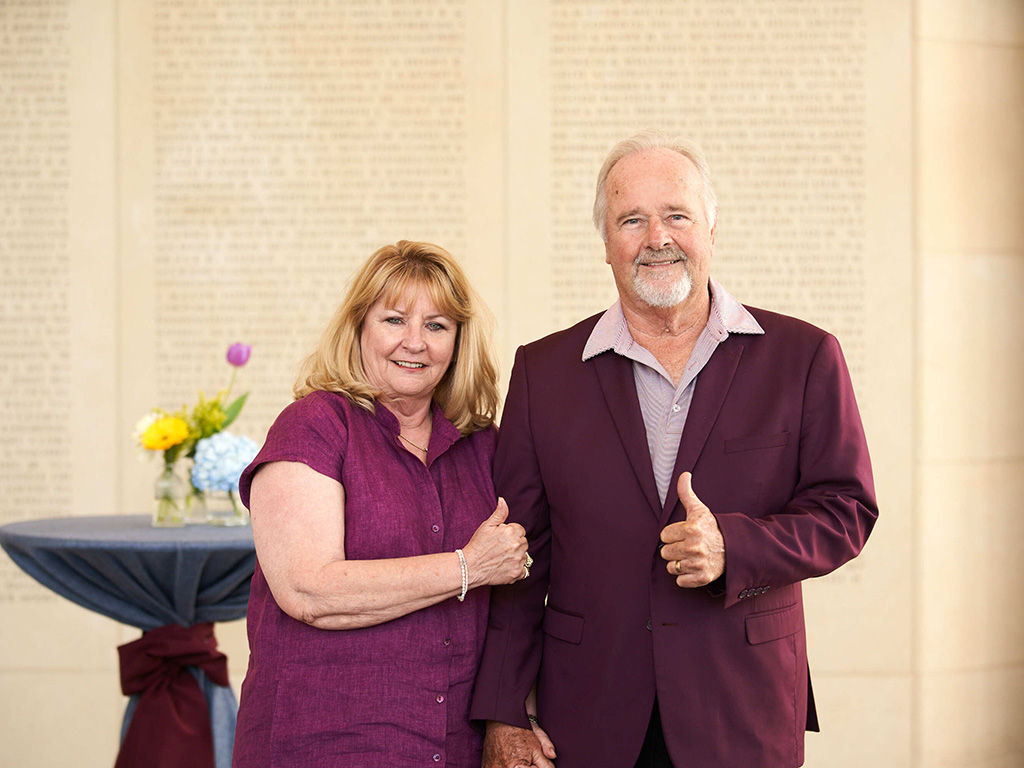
(708, 397)
(615, 374)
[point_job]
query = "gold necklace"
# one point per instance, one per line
(410, 442)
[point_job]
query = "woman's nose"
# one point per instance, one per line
(413, 338)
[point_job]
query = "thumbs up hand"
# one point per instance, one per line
(496, 554)
(694, 548)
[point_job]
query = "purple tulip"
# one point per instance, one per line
(238, 354)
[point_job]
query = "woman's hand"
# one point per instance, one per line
(496, 554)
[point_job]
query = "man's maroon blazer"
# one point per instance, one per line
(777, 451)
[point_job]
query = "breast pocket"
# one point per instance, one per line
(757, 442)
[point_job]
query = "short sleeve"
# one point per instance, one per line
(312, 431)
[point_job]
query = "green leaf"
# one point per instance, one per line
(234, 409)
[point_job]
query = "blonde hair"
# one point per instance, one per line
(468, 391)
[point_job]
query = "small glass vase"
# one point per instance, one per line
(170, 493)
(225, 508)
(195, 506)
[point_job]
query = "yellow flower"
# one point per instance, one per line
(164, 432)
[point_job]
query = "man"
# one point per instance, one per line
(680, 463)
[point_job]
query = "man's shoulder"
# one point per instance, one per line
(565, 341)
(777, 325)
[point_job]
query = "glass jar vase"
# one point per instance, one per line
(225, 508)
(170, 493)
(195, 506)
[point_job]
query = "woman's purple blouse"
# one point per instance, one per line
(395, 694)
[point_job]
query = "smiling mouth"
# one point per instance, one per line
(660, 257)
(410, 366)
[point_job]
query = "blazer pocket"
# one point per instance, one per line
(756, 442)
(563, 626)
(774, 625)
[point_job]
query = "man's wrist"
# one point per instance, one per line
(497, 725)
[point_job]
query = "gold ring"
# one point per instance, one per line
(529, 561)
(679, 567)
(527, 569)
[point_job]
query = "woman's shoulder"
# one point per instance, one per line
(312, 430)
(319, 404)
(488, 434)
(483, 440)
(326, 415)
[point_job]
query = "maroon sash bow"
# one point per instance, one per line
(171, 723)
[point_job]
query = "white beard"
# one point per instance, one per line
(657, 294)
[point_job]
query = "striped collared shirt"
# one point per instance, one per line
(664, 405)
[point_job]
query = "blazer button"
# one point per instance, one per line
(650, 624)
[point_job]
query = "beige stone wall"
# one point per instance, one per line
(969, 233)
(156, 204)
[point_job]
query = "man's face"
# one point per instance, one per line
(659, 243)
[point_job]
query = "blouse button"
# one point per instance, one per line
(675, 408)
(447, 641)
(435, 528)
(440, 699)
(437, 758)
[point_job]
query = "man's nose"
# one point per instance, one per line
(657, 235)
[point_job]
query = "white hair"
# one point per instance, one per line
(652, 140)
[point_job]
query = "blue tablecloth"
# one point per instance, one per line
(122, 567)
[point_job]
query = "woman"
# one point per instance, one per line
(376, 524)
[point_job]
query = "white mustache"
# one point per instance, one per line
(668, 253)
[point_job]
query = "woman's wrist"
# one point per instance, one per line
(465, 574)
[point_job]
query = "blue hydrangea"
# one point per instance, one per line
(219, 461)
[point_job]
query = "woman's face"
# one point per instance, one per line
(407, 346)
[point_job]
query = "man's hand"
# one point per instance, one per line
(506, 746)
(694, 548)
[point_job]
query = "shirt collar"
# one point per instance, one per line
(727, 316)
(443, 435)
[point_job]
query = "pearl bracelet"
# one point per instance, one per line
(465, 574)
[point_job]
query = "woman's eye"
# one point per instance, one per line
(393, 320)
(436, 326)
